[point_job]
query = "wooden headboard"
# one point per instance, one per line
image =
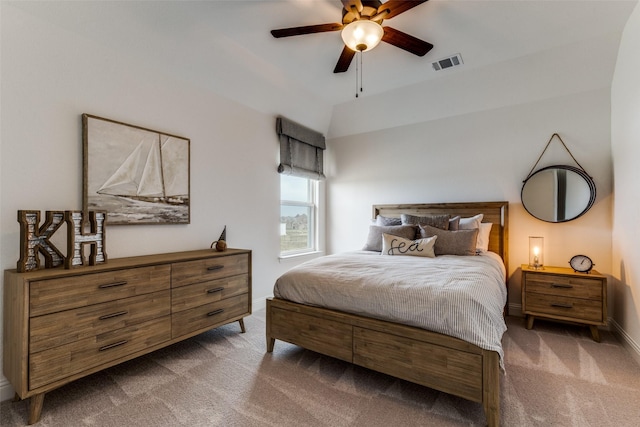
(496, 213)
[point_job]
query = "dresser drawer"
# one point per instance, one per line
(186, 297)
(577, 287)
(187, 273)
(208, 315)
(66, 360)
(52, 295)
(64, 327)
(583, 310)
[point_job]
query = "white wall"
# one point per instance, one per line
(625, 131)
(50, 76)
(474, 157)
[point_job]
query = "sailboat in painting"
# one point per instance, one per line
(155, 171)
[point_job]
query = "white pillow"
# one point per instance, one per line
(470, 223)
(483, 236)
(394, 245)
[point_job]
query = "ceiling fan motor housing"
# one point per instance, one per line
(369, 9)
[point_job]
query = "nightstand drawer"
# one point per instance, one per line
(187, 273)
(207, 315)
(186, 297)
(584, 310)
(576, 287)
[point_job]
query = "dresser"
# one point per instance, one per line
(559, 293)
(61, 325)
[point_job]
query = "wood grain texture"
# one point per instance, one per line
(61, 325)
(438, 361)
(559, 293)
(54, 295)
(186, 297)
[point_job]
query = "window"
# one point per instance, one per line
(298, 215)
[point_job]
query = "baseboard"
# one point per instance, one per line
(625, 339)
(515, 310)
(6, 390)
(259, 304)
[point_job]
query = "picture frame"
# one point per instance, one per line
(136, 175)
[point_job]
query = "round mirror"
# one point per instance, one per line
(558, 193)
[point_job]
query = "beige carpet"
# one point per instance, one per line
(556, 376)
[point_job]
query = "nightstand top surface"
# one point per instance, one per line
(560, 270)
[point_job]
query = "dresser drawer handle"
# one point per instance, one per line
(215, 267)
(115, 344)
(109, 316)
(214, 312)
(214, 290)
(561, 285)
(112, 285)
(561, 305)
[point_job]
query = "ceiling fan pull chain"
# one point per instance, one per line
(361, 68)
(357, 53)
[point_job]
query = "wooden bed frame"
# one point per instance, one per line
(434, 360)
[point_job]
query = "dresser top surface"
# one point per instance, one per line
(129, 262)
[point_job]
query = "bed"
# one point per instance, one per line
(461, 366)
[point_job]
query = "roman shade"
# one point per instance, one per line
(300, 150)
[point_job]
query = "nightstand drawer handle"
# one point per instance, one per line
(109, 316)
(214, 312)
(214, 290)
(215, 267)
(561, 305)
(115, 344)
(112, 285)
(561, 285)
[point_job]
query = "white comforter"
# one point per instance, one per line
(460, 296)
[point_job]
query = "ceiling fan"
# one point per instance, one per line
(364, 18)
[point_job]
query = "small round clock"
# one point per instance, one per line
(581, 263)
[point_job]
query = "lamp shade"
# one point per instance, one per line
(362, 35)
(536, 252)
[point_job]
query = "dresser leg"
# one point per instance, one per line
(530, 320)
(35, 407)
(241, 321)
(270, 344)
(595, 334)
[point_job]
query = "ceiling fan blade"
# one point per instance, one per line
(405, 41)
(344, 61)
(396, 7)
(309, 29)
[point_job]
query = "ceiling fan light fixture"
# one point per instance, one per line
(362, 35)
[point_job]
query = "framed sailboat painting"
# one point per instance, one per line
(136, 175)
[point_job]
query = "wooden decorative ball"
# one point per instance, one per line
(221, 245)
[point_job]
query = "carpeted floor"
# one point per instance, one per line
(555, 376)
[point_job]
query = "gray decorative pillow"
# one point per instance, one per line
(374, 239)
(438, 221)
(385, 220)
(461, 242)
(454, 223)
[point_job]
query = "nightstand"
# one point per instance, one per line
(559, 293)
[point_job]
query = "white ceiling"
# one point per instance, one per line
(229, 41)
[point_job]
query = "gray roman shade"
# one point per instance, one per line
(300, 150)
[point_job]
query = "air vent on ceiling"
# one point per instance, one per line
(451, 61)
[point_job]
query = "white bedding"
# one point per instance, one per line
(460, 296)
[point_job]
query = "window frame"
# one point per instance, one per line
(313, 221)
